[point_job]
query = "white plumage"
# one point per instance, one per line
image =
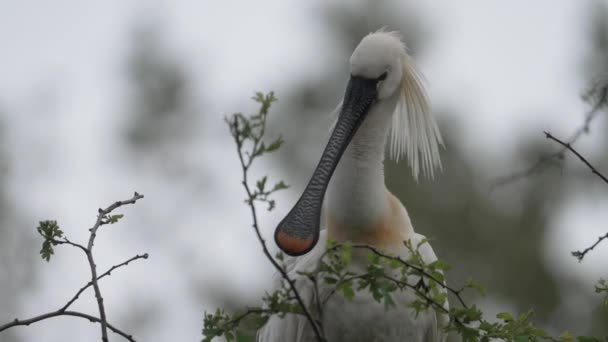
(359, 208)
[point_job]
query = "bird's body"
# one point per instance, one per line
(358, 207)
(362, 319)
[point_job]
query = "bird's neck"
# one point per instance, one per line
(357, 199)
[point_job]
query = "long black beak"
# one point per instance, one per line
(298, 232)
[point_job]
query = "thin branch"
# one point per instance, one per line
(402, 284)
(250, 311)
(107, 273)
(63, 311)
(65, 241)
(578, 254)
(418, 269)
(245, 165)
(102, 219)
(58, 313)
(597, 95)
(568, 146)
(581, 254)
(101, 215)
(428, 299)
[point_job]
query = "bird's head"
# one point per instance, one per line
(379, 57)
(380, 68)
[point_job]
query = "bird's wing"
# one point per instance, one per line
(441, 318)
(293, 327)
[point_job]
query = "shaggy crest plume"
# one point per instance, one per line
(414, 133)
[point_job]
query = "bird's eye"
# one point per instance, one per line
(382, 77)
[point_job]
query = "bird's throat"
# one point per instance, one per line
(357, 196)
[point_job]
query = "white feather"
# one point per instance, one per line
(414, 133)
(357, 198)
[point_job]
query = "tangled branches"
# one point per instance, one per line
(53, 236)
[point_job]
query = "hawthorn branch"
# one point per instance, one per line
(421, 291)
(101, 220)
(63, 311)
(93, 319)
(597, 96)
(236, 320)
(245, 165)
(455, 292)
(581, 254)
(65, 241)
(106, 273)
(568, 146)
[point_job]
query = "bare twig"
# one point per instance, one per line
(236, 320)
(63, 311)
(101, 216)
(106, 273)
(245, 165)
(568, 146)
(27, 322)
(597, 96)
(68, 242)
(581, 254)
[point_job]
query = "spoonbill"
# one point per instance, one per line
(385, 104)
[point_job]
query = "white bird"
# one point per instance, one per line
(385, 104)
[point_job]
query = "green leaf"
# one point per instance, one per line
(522, 339)
(275, 145)
(346, 253)
(540, 333)
(439, 265)
(505, 316)
(347, 290)
(566, 336)
(114, 218)
(471, 283)
(330, 280)
(587, 339)
(50, 231)
(280, 186)
(261, 184)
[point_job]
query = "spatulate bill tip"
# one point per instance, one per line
(295, 245)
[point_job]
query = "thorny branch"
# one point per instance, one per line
(400, 283)
(63, 311)
(103, 218)
(251, 130)
(246, 159)
(58, 313)
(455, 292)
(385, 273)
(106, 273)
(581, 254)
(568, 146)
(597, 96)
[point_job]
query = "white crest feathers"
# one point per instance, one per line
(414, 133)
